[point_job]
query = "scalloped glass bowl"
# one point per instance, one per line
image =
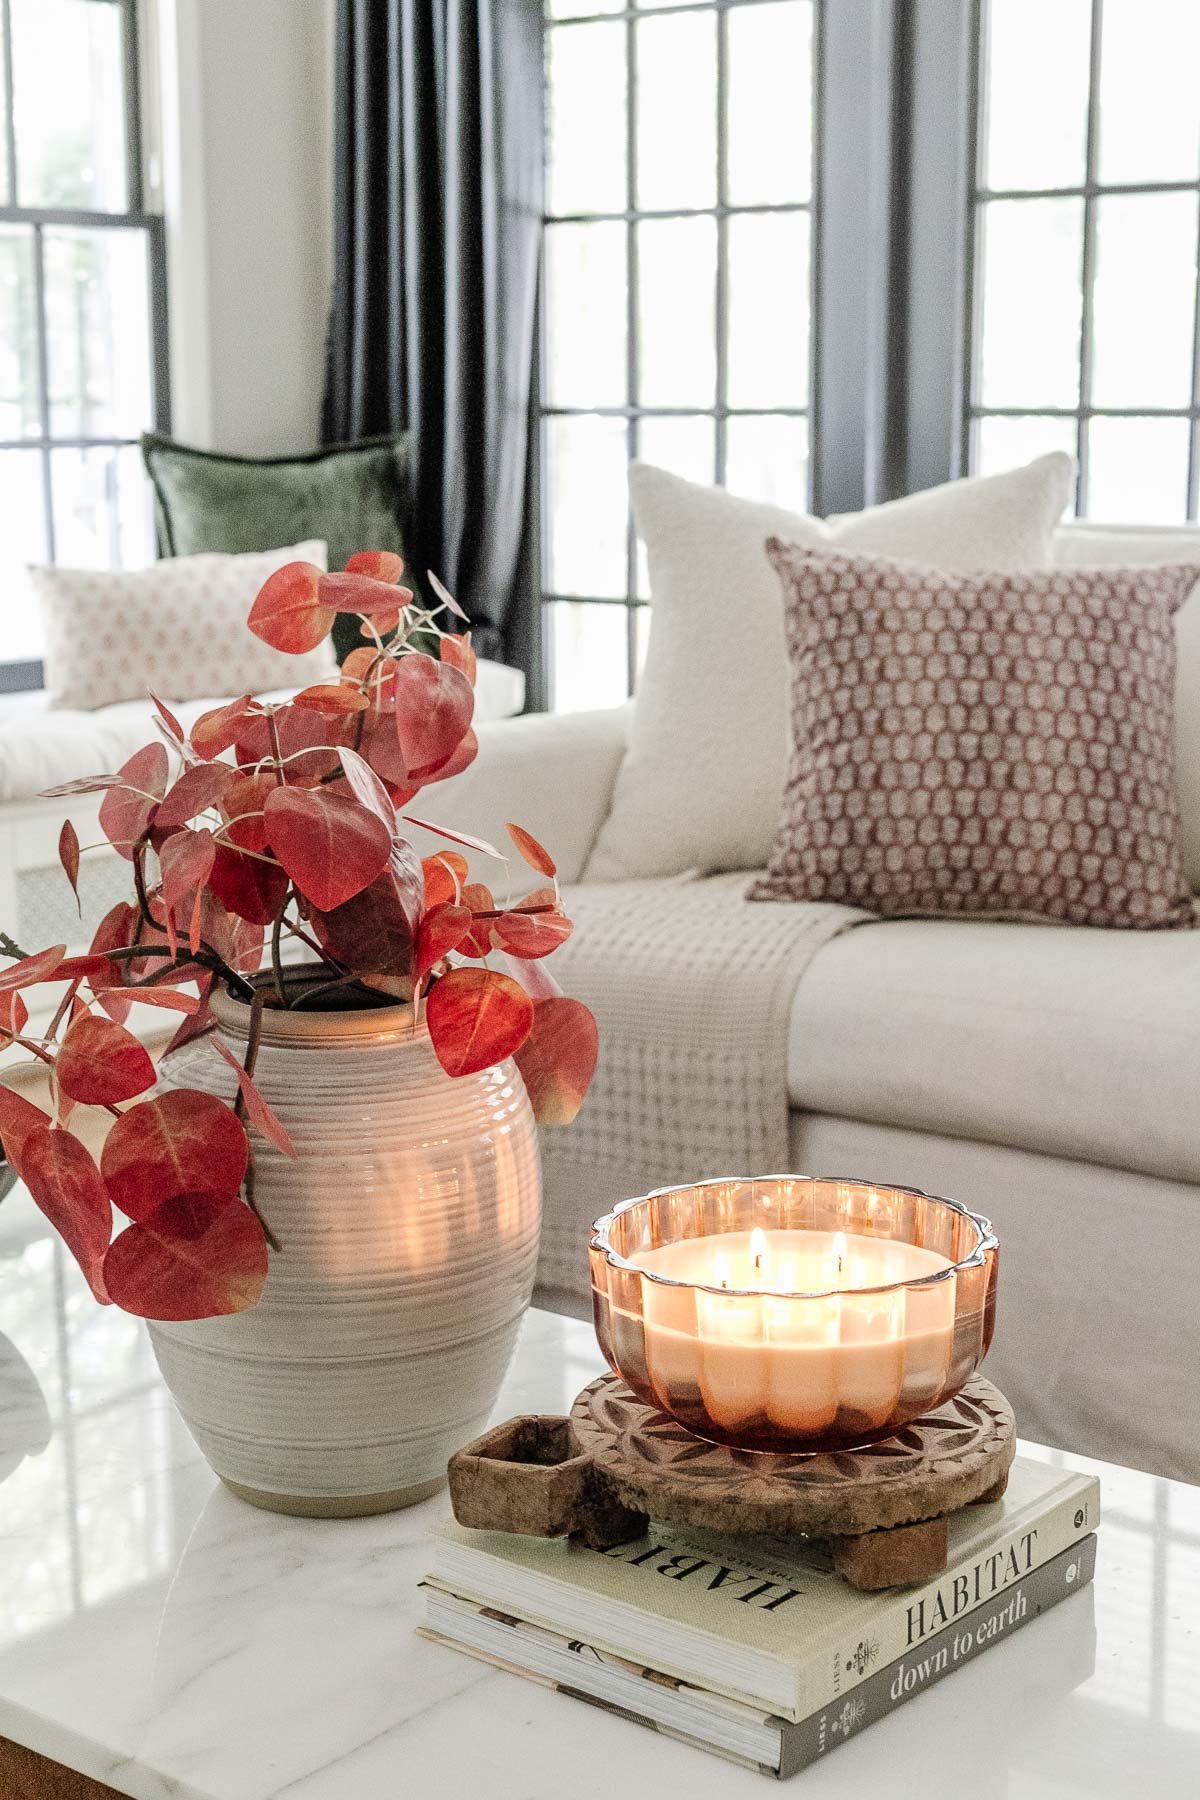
(830, 1343)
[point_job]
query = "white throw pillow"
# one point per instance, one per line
(176, 629)
(702, 782)
(1085, 545)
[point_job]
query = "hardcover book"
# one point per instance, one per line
(743, 1733)
(761, 1620)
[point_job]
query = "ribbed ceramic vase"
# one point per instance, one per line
(409, 1232)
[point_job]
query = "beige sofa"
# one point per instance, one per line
(1046, 1075)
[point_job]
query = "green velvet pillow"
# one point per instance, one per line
(355, 496)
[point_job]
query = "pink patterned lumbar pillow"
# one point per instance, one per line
(998, 744)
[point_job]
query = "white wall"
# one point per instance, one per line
(247, 164)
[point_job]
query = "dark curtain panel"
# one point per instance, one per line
(436, 234)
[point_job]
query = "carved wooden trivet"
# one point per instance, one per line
(614, 1463)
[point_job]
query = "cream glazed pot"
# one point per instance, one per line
(409, 1232)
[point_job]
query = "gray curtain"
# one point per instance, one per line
(438, 204)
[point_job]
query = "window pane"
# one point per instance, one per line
(587, 119)
(69, 112)
(685, 446)
(770, 103)
(22, 540)
(1002, 444)
(102, 509)
(1149, 93)
(1037, 66)
(20, 413)
(582, 9)
(1032, 301)
(98, 333)
(589, 656)
(588, 501)
(768, 309)
(1138, 470)
(1144, 305)
(767, 459)
(585, 315)
(677, 111)
(677, 275)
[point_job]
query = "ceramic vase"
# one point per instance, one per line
(409, 1235)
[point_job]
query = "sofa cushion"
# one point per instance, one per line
(1057, 1039)
(41, 748)
(1096, 545)
(995, 743)
(703, 780)
(355, 496)
(176, 629)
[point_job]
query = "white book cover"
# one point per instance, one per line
(760, 1619)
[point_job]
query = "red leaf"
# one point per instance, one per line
(380, 625)
(558, 1058)
(456, 837)
(259, 1112)
(534, 977)
(183, 1142)
(92, 967)
(534, 854)
(445, 874)
(68, 856)
(530, 934)
(445, 596)
(434, 704)
(366, 786)
(476, 1018)
(126, 811)
(355, 593)
(169, 720)
(198, 1024)
(381, 565)
(66, 1184)
(242, 808)
(332, 698)
(198, 788)
(116, 931)
(214, 731)
(462, 759)
(244, 885)
(238, 941)
(373, 933)
(186, 861)
(83, 784)
(478, 899)
(197, 1257)
(441, 931)
(290, 612)
(18, 1117)
(32, 969)
(14, 1016)
(117, 1004)
(457, 650)
(100, 1063)
(331, 846)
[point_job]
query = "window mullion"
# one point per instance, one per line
(1193, 502)
(1088, 265)
(722, 296)
(10, 124)
(632, 333)
(43, 380)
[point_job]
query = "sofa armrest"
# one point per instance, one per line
(553, 773)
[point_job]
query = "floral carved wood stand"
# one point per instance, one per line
(613, 1463)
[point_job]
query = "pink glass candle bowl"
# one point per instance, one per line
(794, 1313)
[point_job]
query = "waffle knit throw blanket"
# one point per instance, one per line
(692, 987)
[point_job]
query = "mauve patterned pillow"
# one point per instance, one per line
(997, 744)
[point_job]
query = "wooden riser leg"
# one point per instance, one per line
(895, 1558)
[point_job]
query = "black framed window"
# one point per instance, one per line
(1085, 328)
(677, 284)
(83, 365)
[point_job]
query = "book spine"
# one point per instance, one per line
(916, 1614)
(936, 1657)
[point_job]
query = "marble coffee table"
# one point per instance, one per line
(161, 1637)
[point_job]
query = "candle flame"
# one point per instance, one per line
(759, 1250)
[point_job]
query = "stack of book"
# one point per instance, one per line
(753, 1647)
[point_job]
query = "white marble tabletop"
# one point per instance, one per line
(159, 1635)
